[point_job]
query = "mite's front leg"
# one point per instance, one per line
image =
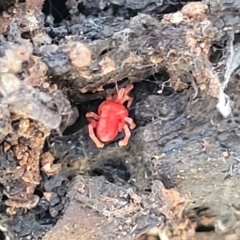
(122, 95)
(126, 97)
(128, 89)
(93, 136)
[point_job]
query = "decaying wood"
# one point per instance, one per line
(117, 212)
(179, 42)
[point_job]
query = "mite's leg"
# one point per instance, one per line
(128, 89)
(92, 115)
(119, 95)
(124, 142)
(124, 95)
(128, 99)
(93, 136)
(130, 122)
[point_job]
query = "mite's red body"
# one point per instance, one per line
(112, 118)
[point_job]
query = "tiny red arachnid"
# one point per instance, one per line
(111, 119)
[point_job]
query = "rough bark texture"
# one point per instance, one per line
(108, 207)
(179, 42)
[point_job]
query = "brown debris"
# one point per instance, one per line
(79, 54)
(24, 127)
(107, 65)
(47, 195)
(225, 154)
(4, 23)
(35, 5)
(205, 145)
(214, 87)
(132, 58)
(27, 150)
(37, 72)
(85, 74)
(194, 10)
(203, 75)
(6, 147)
(177, 84)
(155, 58)
(175, 18)
(179, 227)
(48, 166)
(30, 203)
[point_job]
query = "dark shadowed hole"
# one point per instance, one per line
(126, 13)
(169, 7)
(83, 10)
(205, 228)
(105, 51)
(113, 170)
(117, 11)
(83, 108)
(167, 182)
(57, 9)
(185, 138)
(4, 198)
(216, 52)
(118, 84)
(38, 193)
(2, 236)
(5, 4)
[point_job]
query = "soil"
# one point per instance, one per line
(178, 177)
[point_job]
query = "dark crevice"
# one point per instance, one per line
(2, 236)
(202, 228)
(114, 170)
(57, 9)
(5, 5)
